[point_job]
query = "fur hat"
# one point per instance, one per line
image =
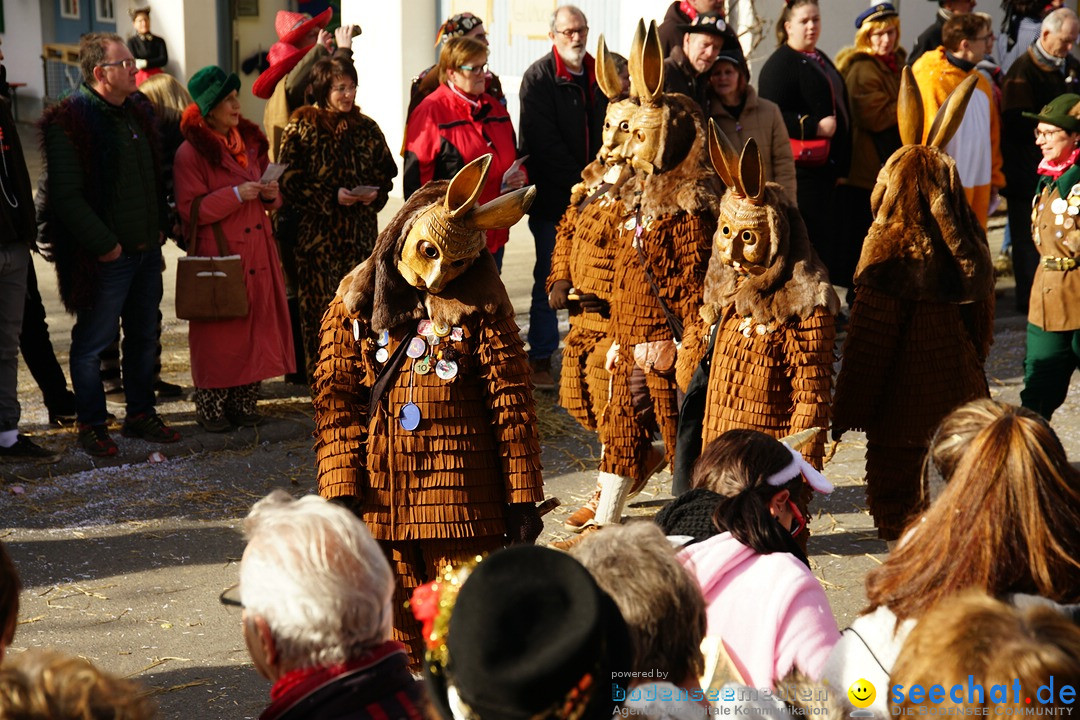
(136, 11)
(533, 635)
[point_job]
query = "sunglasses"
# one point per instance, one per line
(231, 597)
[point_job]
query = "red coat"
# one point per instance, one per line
(229, 353)
(444, 135)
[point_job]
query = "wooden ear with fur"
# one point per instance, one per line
(607, 77)
(467, 185)
(652, 66)
(724, 157)
(633, 62)
(503, 211)
(909, 109)
(752, 172)
(951, 113)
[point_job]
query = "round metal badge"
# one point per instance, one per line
(356, 330)
(441, 330)
(422, 366)
(1058, 206)
(446, 369)
(409, 417)
(384, 338)
(381, 354)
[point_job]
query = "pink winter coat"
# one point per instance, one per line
(230, 353)
(769, 610)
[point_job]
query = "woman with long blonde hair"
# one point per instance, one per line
(1006, 522)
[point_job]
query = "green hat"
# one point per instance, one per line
(210, 85)
(1056, 112)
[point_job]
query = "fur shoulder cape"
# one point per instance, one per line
(691, 185)
(925, 242)
(375, 289)
(203, 139)
(793, 286)
(330, 121)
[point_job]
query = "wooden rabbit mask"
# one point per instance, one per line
(662, 131)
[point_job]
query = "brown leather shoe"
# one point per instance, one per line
(655, 461)
(581, 517)
(541, 374)
(570, 542)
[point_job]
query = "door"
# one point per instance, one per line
(77, 17)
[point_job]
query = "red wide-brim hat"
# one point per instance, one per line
(292, 26)
(282, 58)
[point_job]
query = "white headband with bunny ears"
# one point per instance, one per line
(797, 466)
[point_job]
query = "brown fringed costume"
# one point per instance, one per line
(456, 484)
(771, 368)
(671, 203)
(922, 322)
(583, 258)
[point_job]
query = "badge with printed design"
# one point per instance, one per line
(424, 327)
(446, 369)
(422, 366)
(457, 334)
(384, 338)
(417, 348)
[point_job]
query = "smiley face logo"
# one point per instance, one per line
(861, 693)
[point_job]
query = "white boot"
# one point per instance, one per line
(614, 490)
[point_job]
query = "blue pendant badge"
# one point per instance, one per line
(409, 417)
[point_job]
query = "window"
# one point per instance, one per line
(69, 9)
(105, 11)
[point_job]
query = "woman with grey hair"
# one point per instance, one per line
(316, 590)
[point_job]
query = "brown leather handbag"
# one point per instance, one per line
(210, 288)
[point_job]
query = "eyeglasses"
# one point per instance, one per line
(473, 69)
(800, 521)
(984, 38)
(344, 89)
(1047, 134)
(569, 33)
(231, 597)
(126, 63)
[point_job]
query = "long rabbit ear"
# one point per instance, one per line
(724, 157)
(909, 110)
(607, 77)
(467, 185)
(752, 172)
(652, 66)
(951, 113)
(633, 63)
(503, 211)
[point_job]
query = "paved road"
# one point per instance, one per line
(123, 560)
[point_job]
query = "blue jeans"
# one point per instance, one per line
(128, 290)
(14, 259)
(543, 332)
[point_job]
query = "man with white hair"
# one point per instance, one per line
(1047, 69)
(316, 591)
(562, 119)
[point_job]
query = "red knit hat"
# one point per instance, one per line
(292, 26)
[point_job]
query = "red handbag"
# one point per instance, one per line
(809, 153)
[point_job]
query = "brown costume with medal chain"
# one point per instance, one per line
(445, 464)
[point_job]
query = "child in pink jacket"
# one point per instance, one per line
(761, 597)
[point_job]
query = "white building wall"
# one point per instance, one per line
(22, 54)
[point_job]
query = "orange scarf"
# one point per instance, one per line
(235, 145)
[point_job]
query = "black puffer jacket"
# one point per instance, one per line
(560, 130)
